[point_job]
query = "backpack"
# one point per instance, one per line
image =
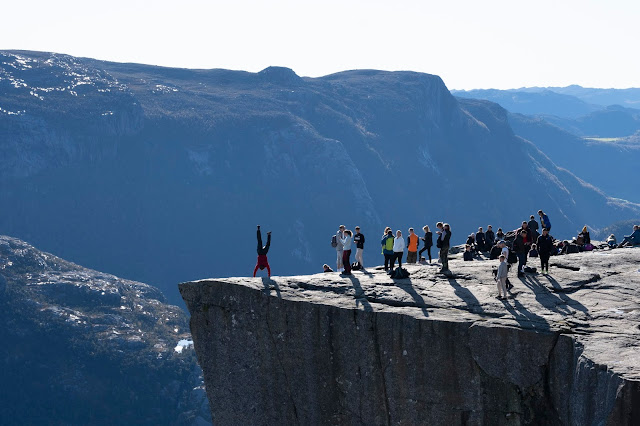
(439, 242)
(513, 257)
(530, 270)
(334, 241)
(356, 266)
(400, 273)
(588, 247)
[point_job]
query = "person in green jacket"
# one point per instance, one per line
(387, 248)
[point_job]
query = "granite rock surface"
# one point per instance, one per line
(366, 349)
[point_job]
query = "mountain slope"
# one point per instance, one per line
(533, 102)
(610, 165)
(83, 347)
(160, 175)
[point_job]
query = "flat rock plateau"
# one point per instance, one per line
(563, 349)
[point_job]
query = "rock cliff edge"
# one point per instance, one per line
(365, 349)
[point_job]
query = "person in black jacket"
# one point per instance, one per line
(428, 242)
(521, 250)
(481, 241)
(443, 242)
(545, 246)
(533, 227)
(358, 238)
(490, 236)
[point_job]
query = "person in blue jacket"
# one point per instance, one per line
(544, 220)
(634, 238)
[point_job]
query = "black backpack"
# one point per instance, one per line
(513, 257)
(356, 266)
(400, 273)
(334, 241)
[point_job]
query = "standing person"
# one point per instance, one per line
(387, 248)
(428, 242)
(359, 240)
(521, 249)
(545, 247)
(481, 241)
(490, 236)
(533, 228)
(263, 262)
(501, 277)
(444, 238)
(398, 249)
(544, 220)
(339, 248)
(412, 247)
(500, 234)
(346, 252)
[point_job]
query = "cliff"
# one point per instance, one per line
(85, 347)
(326, 349)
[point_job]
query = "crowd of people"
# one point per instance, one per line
(393, 247)
(530, 240)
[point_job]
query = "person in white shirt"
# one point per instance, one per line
(398, 249)
(501, 277)
(346, 252)
(339, 248)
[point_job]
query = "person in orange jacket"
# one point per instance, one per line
(412, 246)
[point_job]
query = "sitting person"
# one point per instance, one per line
(534, 251)
(583, 237)
(612, 242)
(467, 253)
(496, 250)
(471, 242)
(500, 234)
(633, 239)
(326, 268)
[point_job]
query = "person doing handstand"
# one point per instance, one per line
(262, 254)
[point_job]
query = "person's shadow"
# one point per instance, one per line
(558, 301)
(360, 296)
(406, 285)
(524, 317)
(465, 294)
(268, 283)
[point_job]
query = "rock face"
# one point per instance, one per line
(326, 349)
(84, 347)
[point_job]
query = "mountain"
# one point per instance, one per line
(533, 102)
(84, 347)
(613, 121)
(629, 98)
(611, 165)
(160, 175)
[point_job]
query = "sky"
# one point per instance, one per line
(469, 43)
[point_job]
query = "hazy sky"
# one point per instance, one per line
(469, 43)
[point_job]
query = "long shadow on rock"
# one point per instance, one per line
(563, 296)
(467, 297)
(524, 317)
(267, 283)
(554, 302)
(360, 296)
(407, 286)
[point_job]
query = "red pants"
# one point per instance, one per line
(346, 261)
(262, 263)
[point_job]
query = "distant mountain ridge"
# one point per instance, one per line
(161, 174)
